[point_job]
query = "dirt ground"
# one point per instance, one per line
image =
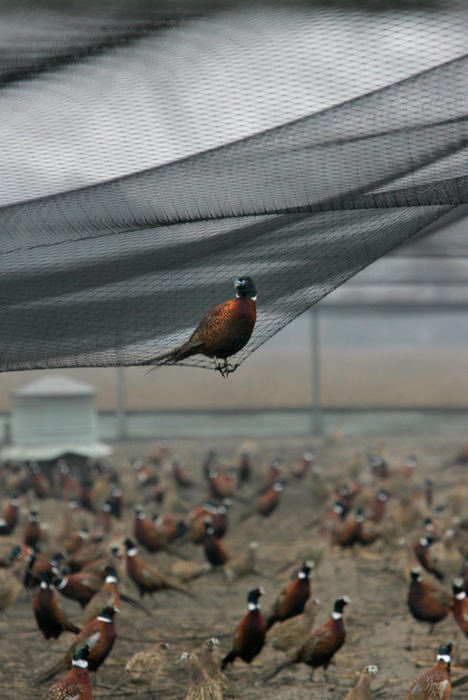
(380, 629)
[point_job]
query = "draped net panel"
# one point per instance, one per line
(148, 160)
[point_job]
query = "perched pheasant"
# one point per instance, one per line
(292, 599)
(321, 644)
(434, 684)
(222, 332)
(250, 633)
(361, 690)
(77, 684)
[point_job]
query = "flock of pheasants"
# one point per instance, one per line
(99, 557)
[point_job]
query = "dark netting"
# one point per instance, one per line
(149, 160)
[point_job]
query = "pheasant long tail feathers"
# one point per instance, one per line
(228, 659)
(70, 627)
(175, 586)
(50, 673)
(164, 358)
(135, 604)
(268, 676)
(170, 356)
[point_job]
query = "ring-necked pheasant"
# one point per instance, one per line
(460, 605)
(214, 551)
(321, 644)
(434, 684)
(292, 599)
(32, 532)
(250, 633)
(9, 520)
(76, 683)
(423, 555)
(99, 634)
(222, 332)
(50, 618)
(147, 578)
(427, 603)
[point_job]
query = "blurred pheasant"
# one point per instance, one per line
(222, 332)
(291, 633)
(460, 605)
(9, 518)
(50, 618)
(361, 690)
(250, 632)
(147, 578)
(201, 685)
(145, 668)
(292, 599)
(427, 603)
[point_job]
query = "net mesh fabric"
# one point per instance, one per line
(148, 161)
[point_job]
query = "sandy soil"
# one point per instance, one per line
(380, 629)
